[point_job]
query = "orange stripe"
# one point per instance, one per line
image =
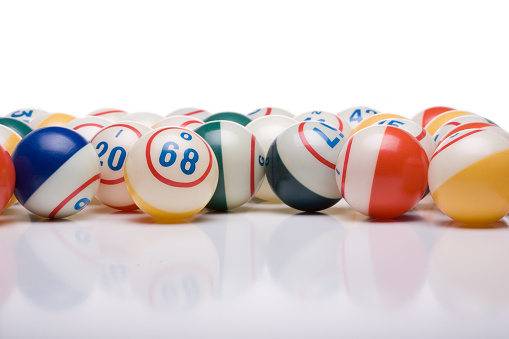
(400, 177)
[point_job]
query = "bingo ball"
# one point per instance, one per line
(88, 126)
(171, 173)
(266, 130)
(241, 163)
(425, 116)
(183, 121)
(229, 116)
(355, 115)
(328, 118)
(146, 118)
(466, 121)
(7, 178)
(468, 176)
(382, 171)
(57, 172)
(262, 112)
(301, 164)
(190, 112)
(111, 114)
(112, 145)
(18, 126)
(55, 119)
(27, 114)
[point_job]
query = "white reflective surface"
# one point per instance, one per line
(260, 271)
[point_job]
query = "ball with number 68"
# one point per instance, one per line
(112, 145)
(301, 163)
(171, 173)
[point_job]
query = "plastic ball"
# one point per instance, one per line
(262, 112)
(468, 176)
(57, 172)
(415, 130)
(229, 116)
(183, 121)
(266, 130)
(190, 112)
(113, 144)
(27, 114)
(441, 119)
(456, 122)
(111, 114)
(241, 161)
(369, 121)
(7, 178)
(146, 118)
(18, 126)
(301, 164)
(171, 173)
(9, 140)
(328, 118)
(355, 115)
(55, 119)
(382, 171)
(88, 126)
(425, 116)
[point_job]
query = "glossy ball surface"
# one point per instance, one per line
(183, 121)
(88, 126)
(468, 176)
(415, 130)
(57, 172)
(301, 164)
(55, 119)
(194, 112)
(382, 171)
(328, 118)
(112, 144)
(241, 161)
(18, 126)
(171, 173)
(7, 178)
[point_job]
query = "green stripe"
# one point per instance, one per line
(211, 132)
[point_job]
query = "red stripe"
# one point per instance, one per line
(461, 127)
(455, 141)
(432, 112)
(138, 133)
(107, 112)
(252, 181)
(422, 135)
(112, 182)
(88, 125)
(268, 111)
(167, 181)
(400, 177)
(195, 112)
(454, 123)
(124, 208)
(345, 165)
(73, 194)
(187, 123)
(340, 123)
(311, 150)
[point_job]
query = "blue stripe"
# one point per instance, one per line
(40, 154)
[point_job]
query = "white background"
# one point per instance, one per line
(395, 56)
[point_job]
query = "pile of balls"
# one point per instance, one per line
(173, 167)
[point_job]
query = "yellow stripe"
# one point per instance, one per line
(11, 142)
(441, 119)
(479, 193)
(56, 119)
(374, 119)
(157, 213)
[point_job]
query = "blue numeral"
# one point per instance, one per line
(191, 160)
(165, 151)
(81, 204)
(121, 158)
(332, 143)
(23, 113)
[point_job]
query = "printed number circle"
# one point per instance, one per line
(178, 157)
(112, 144)
(312, 134)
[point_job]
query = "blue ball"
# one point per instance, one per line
(57, 172)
